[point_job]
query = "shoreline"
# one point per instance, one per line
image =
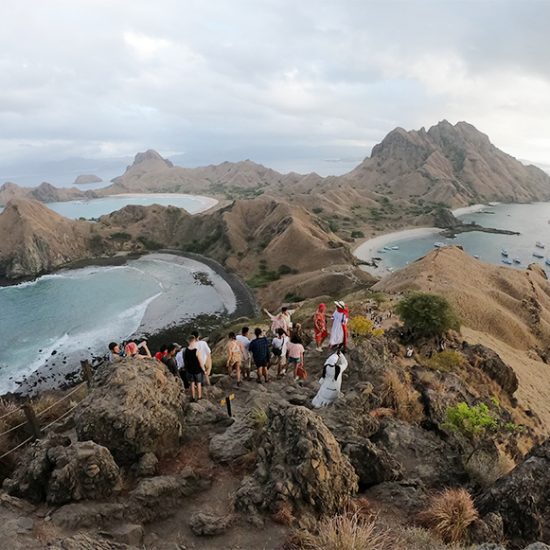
(65, 374)
(208, 202)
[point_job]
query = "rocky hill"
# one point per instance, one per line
(37, 240)
(84, 179)
(45, 192)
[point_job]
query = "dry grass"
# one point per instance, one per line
(400, 396)
(348, 532)
(382, 412)
(431, 379)
(284, 514)
(445, 361)
(259, 418)
(416, 538)
(449, 514)
(485, 469)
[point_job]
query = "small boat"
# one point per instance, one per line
(504, 252)
(538, 244)
(547, 262)
(395, 248)
(538, 255)
(381, 251)
(439, 244)
(476, 256)
(387, 248)
(507, 261)
(517, 261)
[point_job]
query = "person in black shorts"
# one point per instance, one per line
(259, 349)
(194, 368)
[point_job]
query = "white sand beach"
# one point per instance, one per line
(206, 203)
(469, 209)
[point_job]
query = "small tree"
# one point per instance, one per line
(427, 314)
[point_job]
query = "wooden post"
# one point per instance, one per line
(86, 372)
(32, 421)
(228, 405)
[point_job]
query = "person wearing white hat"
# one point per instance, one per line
(339, 330)
(331, 381)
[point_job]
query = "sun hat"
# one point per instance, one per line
(340, 304)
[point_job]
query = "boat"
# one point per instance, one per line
(387, 248)
(395, 247)
(381, 251)
(517, 261)
(547, 262)
(538, 255)
(439, 244)
(538, 244)
(504, 252)
(506, 261)
(476, 256)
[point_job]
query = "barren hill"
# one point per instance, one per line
(509, 304)
(35, 239)
(45, 192)
(449, 164)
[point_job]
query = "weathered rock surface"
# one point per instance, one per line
(84, 541)
(79, 515)
(300, 465)
(491, 364)
(205, 524)
(127, 533)
(521, 499)
(134, 408)
(238, 440)
(147, 465)
(57, 471)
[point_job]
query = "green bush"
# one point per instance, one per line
(121, 236)
(317, 210)
(357, 234)
(291, 298)
(263, 278)
(445, 361)
(285, 269)
(150, 244)
(472, 422)
(427, 314)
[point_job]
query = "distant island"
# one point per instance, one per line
(84, 179)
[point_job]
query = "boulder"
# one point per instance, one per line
(127, 533)
(147, 465)
(410, 496)
(134, 407)
(205, 524)
(238, 440)
(521, 499)
(78, 515)
(492, 365)
(57, 471)
(84, 541)
(488, 529)
(300, 466)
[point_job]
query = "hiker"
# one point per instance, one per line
(259, 349)
(234, 356)
(143, 348)
(320, 326)
(409, 352)
(296, 358)
(115, 353)
(279, 349)
(194, 368)
(339, 329)
(331, 380)
(180, 363)
(169, 358)
(131, 350)
(245, 342)
(159, 356)
(206, 352)
(281, 320)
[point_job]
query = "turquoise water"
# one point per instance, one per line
(95, 208)
(83, 310)
(531, 220)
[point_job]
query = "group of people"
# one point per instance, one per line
(284, 349)
(192, 363)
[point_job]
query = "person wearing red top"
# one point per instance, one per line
(162, 353)
(320, 326)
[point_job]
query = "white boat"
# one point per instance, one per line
(538, 244)
(547, 262)
(387, 248)
(381, 251)
(395, 248)
(439, 244)
(538, 255)
(476, 256)
(517, 261)
(504, 252)
(506, 261)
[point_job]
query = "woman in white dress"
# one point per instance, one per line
(339, 330)
(331, 381)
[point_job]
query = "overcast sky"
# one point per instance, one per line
(309, 84)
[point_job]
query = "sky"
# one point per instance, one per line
(308, 85)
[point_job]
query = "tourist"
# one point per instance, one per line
(281, 320)
(131, 350)
(180, 363)
(339, 329)
(234, 356)
(159, 356)
(409, 352)
(169, 358)
(206, 352)
(320, 326)
(331, 380)
(296, 357)
(279, 346)
(259, 349)
(245, 342)
(194, 368)
(143, 349)
(115, 353)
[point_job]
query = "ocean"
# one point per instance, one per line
(76, 313)
(532, 221)
(95, 208)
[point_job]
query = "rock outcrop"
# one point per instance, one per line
(133, 408)
(521, 499)
(300, 466)
(58, 471)
(84, 179)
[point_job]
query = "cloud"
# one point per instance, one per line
(272, 80)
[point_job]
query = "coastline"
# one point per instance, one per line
(66, 371)
(208, 202)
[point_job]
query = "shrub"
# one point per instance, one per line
(150, 244)
(402, 397)
(445, 361)
(345, 533)
(285, 270)
(360, 325)
(259, 418)
(120, 236)
(357, 234)
(472, 422)
(450, 513)
(317, 210)
(292, 298)
(263, 278)
(427, 314)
